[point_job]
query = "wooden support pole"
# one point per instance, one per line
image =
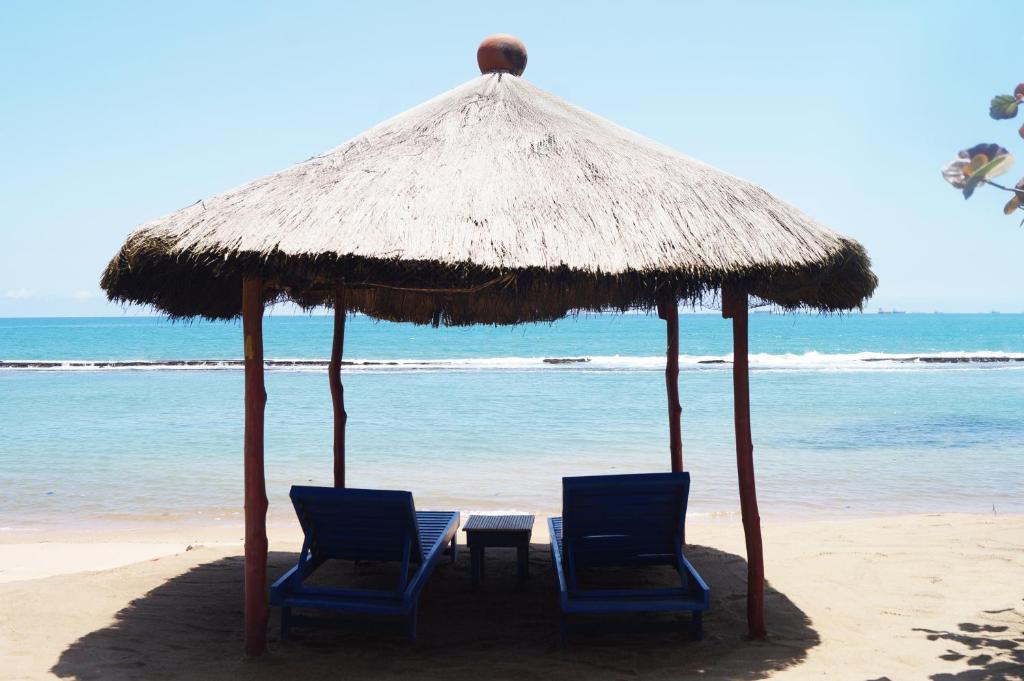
(735, 306)
(337, 388)
(668, 309)
(256, 607)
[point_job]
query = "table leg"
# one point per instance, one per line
(476, 563)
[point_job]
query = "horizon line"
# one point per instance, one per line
(766, 311)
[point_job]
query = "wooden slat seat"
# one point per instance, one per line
(625, 520)
(367, 525)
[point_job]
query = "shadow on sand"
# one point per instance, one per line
(992, 651)
(191, 627)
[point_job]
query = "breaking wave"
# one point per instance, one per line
(808, 361)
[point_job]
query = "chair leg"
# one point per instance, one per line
(455, 547)
(563, 629)
(697, 626)
(286, 623)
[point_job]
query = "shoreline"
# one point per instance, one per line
(281, 520)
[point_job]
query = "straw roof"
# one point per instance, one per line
(495, 202)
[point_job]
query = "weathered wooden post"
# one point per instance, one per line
(256, 607)
(668, 309)
(735, 307)
(337, 388)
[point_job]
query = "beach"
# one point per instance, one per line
(905, 597)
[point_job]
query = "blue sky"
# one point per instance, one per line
(116, 113)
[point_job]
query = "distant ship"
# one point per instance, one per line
(884, 311)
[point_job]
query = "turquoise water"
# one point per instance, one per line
(852, 416)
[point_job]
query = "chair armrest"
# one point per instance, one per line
(701, 584)
(556, 555)
(284, 583)
(419, 578)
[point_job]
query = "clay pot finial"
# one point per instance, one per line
(501, 52)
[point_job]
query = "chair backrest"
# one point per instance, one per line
(358, 524)
(622, 519)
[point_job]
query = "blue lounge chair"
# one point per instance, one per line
(624, 520)
(369, 525)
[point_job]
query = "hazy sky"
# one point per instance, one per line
(112, 114)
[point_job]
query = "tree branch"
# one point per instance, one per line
(1004, 187)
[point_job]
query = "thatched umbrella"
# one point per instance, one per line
(495, 202)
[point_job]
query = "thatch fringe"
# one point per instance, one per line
(426, 293)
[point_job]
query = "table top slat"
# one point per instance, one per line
(499, 523)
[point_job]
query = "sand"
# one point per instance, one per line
(911, 597)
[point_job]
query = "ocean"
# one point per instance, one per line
(112, 422)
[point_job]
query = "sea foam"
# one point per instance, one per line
(808, 361)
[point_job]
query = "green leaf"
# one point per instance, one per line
(997, 166)
(1003, 106)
